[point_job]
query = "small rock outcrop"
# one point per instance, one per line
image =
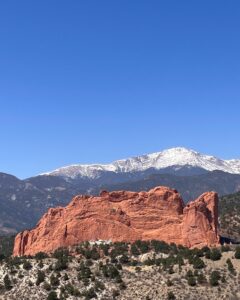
(159, 214)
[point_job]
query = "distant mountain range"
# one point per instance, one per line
(174, 157)
(22, 202)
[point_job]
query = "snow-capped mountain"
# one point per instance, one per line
(174, 157)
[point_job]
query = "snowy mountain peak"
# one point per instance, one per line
(178, 156)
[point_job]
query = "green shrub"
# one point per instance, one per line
(134, 250)
(89, 294)
(169, 282)
(124, 259)
(41, 255)
(201, 278)
(119, 266)
(198, 263)
(138, 269)
(191, 281)
(115, 294)
(215, 254)
(180, 261)
(14, 261)
(71, 290)
(61, 264)
(84, 272)
(189, 273)
(214, 278)
(94, 254)
(122, 286)
(237, 253)
(27, 265)
(110, 271)
(118, 279)
(105, 249)
(118, 248)
(40, 264)
(47, 286)
(61, 252)
(230, 266)
(171, 296)
(160, 246)
(225, 248)
(30, 283)
(143, 246)
(208, 254)
(89, 262)
(198, 252)
(7, 282)
(99, 286)
(54, 280)
(40, 277)
(52, 296)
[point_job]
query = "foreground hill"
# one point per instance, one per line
(142, 270)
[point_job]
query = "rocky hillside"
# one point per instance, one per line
(125, 216)
(22, 202)
(142, 270)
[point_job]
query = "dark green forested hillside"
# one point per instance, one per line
(190, 187)
(6, 246)
(229, 215)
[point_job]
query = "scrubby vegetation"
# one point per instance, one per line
(142, 270)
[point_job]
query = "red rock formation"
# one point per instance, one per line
(125, 216)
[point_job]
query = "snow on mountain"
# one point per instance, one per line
(168, 158)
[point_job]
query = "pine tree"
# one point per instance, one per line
(40, 277)
(7, 282)
(52, 296)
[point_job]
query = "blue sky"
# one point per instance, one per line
(94, 81)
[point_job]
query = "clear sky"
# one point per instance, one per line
(94, 81)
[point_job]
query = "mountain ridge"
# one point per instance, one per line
(22, 202)
(178, 156)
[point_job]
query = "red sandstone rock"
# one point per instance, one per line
(125, 216)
